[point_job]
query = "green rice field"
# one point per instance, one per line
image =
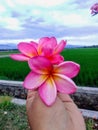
(88, 60)
(86, 57)
(13, 70)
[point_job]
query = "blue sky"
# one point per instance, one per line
(26, 20)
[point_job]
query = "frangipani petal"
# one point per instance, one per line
(27, 49)
(19, 57)
(47, 47)
(64, 84)
(94, 9)
(49, 73)
(42, 41)
(47, 52)
(56, 59)
(58, 49)
(51, 43)
(40, 65)
(46, 43)
(34, 44)
(68, 68)
(48, 92)
(34, 80)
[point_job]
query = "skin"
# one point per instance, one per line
(62, 115)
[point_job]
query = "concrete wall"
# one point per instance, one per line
(85, 97)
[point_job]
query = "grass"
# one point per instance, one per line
(5, 99)
(13, 70)
(86, 57)
(88, 60)
(13, 117)
(91, 124)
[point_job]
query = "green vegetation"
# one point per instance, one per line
(5, 99)
(86, 57)
(13, 117)
(88, 60)
(90, 124)
(13, 70)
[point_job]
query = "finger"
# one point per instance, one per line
(75, 114)
(68, 102)
(30, 98)
(72, 109)
(64, 97)
(31, 94)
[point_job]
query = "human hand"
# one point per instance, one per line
(62, 115)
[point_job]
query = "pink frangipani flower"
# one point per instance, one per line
(46, 47)
(48, 78)
(94, 9)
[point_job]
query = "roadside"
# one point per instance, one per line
(86, 113)
(13, 115)
(3, 56)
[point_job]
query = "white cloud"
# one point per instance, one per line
(71, 19)
(2, 9)
(16, 41)
(48, 17)
(81, 40)
(41, 3)
(10, 23)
